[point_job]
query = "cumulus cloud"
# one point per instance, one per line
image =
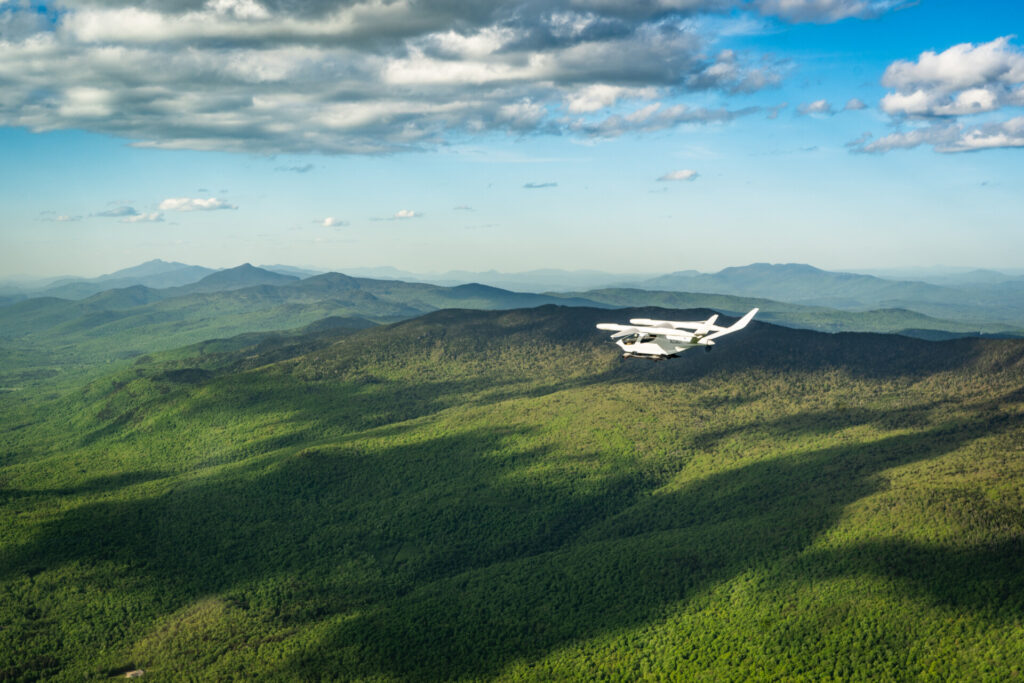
(369, 76)
(599, 96)
(964, 79)
(155, 217)
(406, 213)
(827, 11)
(196, 204)
(817, 107)
(332, 222)
(825, 108)
(654, 117)
(952, 137)
(58, 218)
(119, 212)
(538, 186)
(304, 168)
(683, 174)
(936, 99)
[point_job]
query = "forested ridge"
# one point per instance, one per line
(478, 495)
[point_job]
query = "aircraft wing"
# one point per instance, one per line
(671, 334)
(619, 330)
(704, 326)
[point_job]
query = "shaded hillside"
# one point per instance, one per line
(483, 494)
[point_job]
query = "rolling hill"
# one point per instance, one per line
(495, 494)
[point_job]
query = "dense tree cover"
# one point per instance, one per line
(498, 495)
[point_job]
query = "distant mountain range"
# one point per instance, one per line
(956, 301)
(229, 302)
(1001, 301)
(535, 281)
(945, 275)
(156, 274)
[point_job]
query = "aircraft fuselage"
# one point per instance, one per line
(656, 348)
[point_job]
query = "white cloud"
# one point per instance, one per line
(816, 107)
(683, 174)
(960, 82)
(601, 96)
(406, 213)
(118, 212)
(990, 136)
(332, 222)
(654, 117)
(367, 77)
(155, 217)
(960, 67)
(376, 76)
(827, 11)
(952, 137)
(854, 104)
(86, 103)
(196, 204)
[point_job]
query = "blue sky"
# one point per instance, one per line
(625, 136)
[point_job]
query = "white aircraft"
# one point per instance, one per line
(660, 339)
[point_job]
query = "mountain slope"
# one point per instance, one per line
(496, 495)
(245, 275)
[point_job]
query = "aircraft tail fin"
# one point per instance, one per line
(735, 327)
